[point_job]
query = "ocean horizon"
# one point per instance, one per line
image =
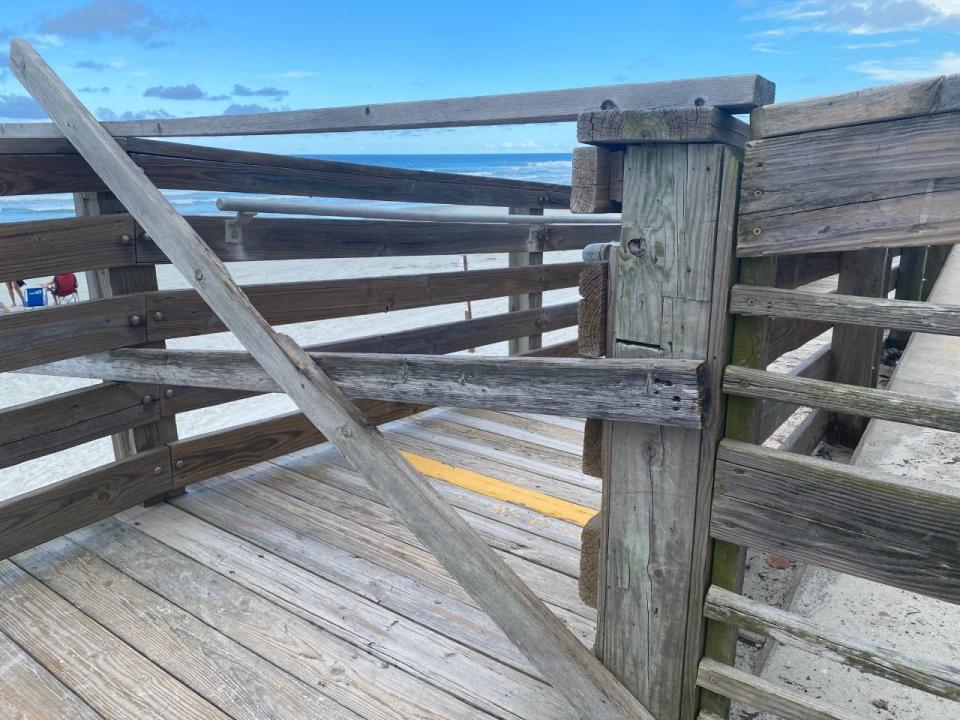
(535, 167)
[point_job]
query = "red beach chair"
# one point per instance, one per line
(64, 289)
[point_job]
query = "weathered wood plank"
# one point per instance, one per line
(183, 312)
(788, 334)
(680, 125)
(887, 184)
(766, 696)
(49, 247)
(805, 437)
(796, 270)
(307, 239)
(644, 390)
(859, 522)
(848, 309)
(592, 311)
(818, 366)
(843, 398)
(111, 677)
(590, 183)
(889, 102)
(51, 424)
(735, 94)
(864, 654)
(528, 301)
(71, 330)
(52, 510)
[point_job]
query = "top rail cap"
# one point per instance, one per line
(732, 93)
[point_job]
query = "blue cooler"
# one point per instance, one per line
(35, 297)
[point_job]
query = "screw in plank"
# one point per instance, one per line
(158, 470)
(158, 316)
(146, 399)
(178, 464)
(757, 230)
(125, 239)
(135, 320)
(168, 393)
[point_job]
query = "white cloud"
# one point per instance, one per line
(881, 44)
(48, 40)
(768, 48)
(860, 17)
(909, 68)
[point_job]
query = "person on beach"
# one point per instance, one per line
(15, 285)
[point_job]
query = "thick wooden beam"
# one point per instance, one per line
(592, 311)
(593, 172)
(528, 301)
(885, 184)
(682, 125)
(183, 312)
(658, 391)
(819, 366)
(735, 94)
(864, 523)
(53, 510)
(938, 678)
(523, 617)
(51, 424)
(842, 398)
(929, 96)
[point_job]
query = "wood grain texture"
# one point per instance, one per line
(183, 312)
(933, 676)
(796, 270)
(864, 523)
(843, 398)
(50, 247)
(886, 184)
(65, 331)
(889, 102)
(644, 390)
(848, 309)
(736, 94)
(51, 424)
(680, 125)
(819, 366)
(306, 239)
(50, 511)
(590, 184)
(592, 311)
(765, 696)
(806, 436)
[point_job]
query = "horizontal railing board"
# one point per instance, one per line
(848, 399)
(765, 696)
(890, 102)
(820, 366)
(831, 308)
(657, 391)
(48, 512)
(184, 313)
(64, 331)
(868, 524)
(204, 456)
(51, 424)
(50, 247)
(429, 340)
(297, 238)
(933, 676)
(176, 166)
(889, 184)
(671, 125)
(736, 94)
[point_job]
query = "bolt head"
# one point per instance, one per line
(198, 274)
(178, 464)
(146, 399)
(756, 230)
(158, 316)
(168, 393)
(158, 470)
(135, 320)
(125, 239)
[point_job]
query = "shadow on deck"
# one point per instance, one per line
(288, 589)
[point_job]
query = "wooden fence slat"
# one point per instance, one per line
(53, 510)
(864, 654)
(837, 516)
(766, 696)
(818, 366)
(657, 391)
(681, 125)
(50, 247)
(65, 331)
(183, 312)
(734, 93)
(537, 632)
(847, 309)
(843, 398)
(55, 423)
(886, 184)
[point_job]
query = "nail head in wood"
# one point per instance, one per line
(146, 399)
(135, 320)
(158, 316)
(168, 393)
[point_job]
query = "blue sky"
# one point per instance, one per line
(182, 57)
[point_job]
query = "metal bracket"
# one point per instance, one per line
(233, 227)
(599, 252)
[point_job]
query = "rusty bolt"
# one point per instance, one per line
(168, 393)
(178, 464)
(135, 320)
(158, 316)
(146, 399)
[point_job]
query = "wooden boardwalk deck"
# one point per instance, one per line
(288, 590)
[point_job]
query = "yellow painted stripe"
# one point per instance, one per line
(491, 487)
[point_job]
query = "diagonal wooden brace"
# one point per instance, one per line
(537, 632)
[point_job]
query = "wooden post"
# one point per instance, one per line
(531, 300)
(119, 281)
(857, 348)
(913, 260)
(668, 288)
(539, 634)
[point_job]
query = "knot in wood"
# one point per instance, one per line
(104, 496)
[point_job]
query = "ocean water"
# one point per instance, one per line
(544, 167)
(19, 388)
